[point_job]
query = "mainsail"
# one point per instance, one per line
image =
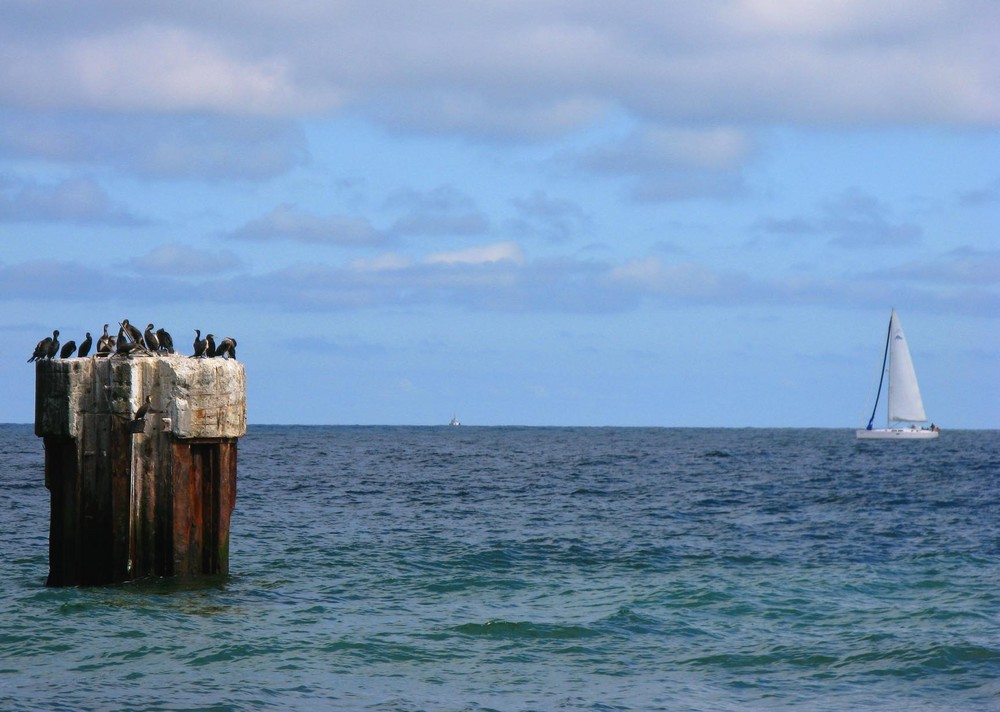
(904, 394)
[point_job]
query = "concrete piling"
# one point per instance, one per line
(138, 497)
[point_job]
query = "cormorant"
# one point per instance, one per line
(104, 345)
(152, 343)
(144, 408)
(85, 346)
(226, 347)
(41, 349)
(166, 340)
(133, 333)
(68, 348)
(210, 349)
(53, 345)
(200, 345)
(126, 347)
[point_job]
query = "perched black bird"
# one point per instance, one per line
(226, 348)
(41, 349)
(144, 408)
(129, 339)
(166, 340)
(54, 345)
(133, 333)
(104, 345)
(123, 348)
(200, 345)
(210, 349)
(85, 346)
(68, 348)
(152, 342)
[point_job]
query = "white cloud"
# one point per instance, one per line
(522, 69)
(64, 281)
(556, 219)
(985, 196)
(150, 66)
(212, 147)
(853, 219)
(831, 21)
(673, 163)
(286, 222)
(687, 280)
(74, 200)
(856, 219)
(709, 149)
(485, 254)
(388, 262)
(497, 279)
(441, 211)
(185, 261)
(961, 267)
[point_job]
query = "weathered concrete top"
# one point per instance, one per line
(201, 397)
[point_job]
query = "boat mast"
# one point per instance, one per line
(885, 357)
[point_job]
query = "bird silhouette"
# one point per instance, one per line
(166, 340)
(53, 345)
(41, 349)
(226, 348)
(200, 344)
(152, 342)
(146, 407)
(85, 346)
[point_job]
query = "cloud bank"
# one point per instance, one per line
(513, 69)
(500, 277)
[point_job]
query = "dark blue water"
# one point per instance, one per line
(540, 569)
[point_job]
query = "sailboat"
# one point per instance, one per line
(905, 403)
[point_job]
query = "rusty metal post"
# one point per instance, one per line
(136, 498)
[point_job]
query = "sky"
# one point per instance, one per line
(550, 212)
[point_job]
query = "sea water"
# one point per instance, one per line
(394, 568)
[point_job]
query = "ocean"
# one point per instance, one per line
(505, 568)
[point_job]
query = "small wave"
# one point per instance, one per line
(224, 654)
(628, 621)
(469, 583)
(493, 559)
(588, 492)
(763, 660)
(523, 629)
(916, 663)
(377, 651)
(716, 454)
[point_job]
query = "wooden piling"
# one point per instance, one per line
(136, 498)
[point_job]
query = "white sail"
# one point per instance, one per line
(904, 393)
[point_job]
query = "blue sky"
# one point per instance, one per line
(544, 213)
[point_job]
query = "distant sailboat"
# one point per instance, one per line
(454, 421)
(904, 402)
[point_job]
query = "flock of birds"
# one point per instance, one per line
(132, 341)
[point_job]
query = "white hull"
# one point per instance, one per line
(897, 434)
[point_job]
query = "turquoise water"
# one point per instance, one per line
(540, 569)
